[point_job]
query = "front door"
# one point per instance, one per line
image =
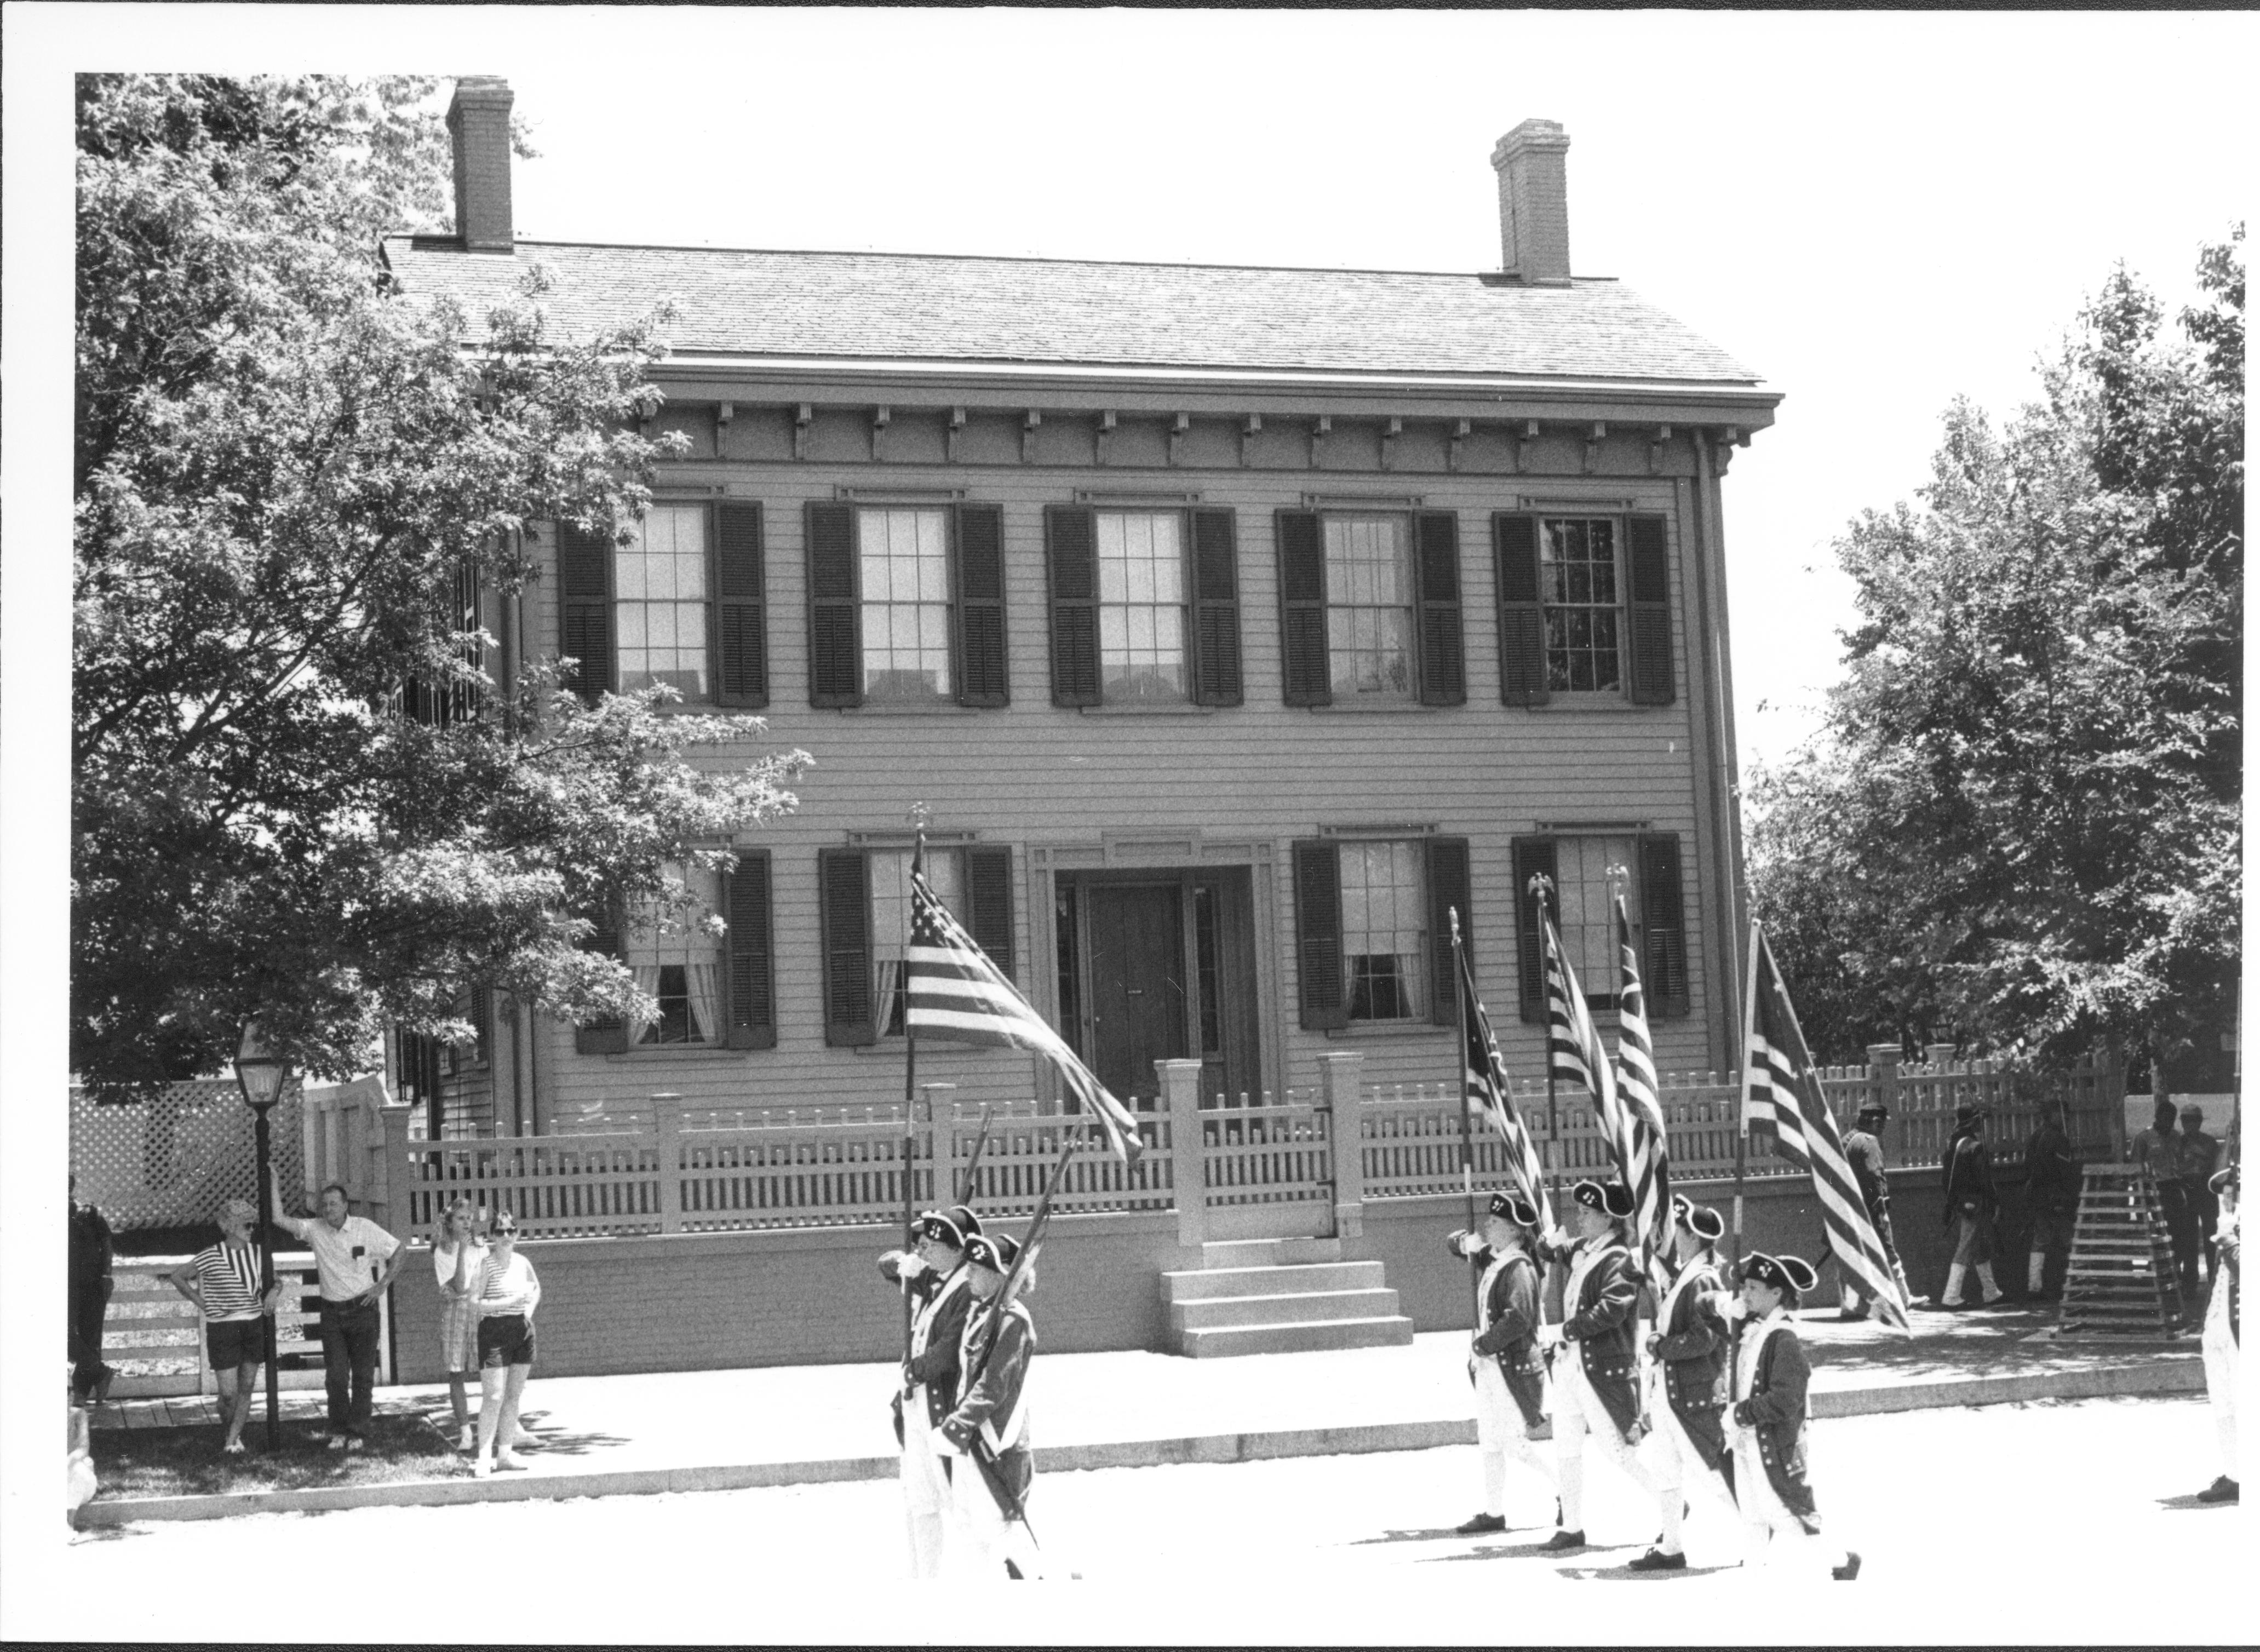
(1137, 983)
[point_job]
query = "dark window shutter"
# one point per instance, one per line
(1216, 608)
(835, 618)
(1448, 889)
(1531, 857)
(1308, 673)
(1436, 576)
(585, 607)
(982, 678)
(1650, 613)
(610, 1035)
(1522, 612)
(844, 881)
(752, 989)
(1317, 934)
(1071, 554)
(741, 653)
(1662, 916)
(989, 901)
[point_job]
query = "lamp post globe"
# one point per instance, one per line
(262, 1074)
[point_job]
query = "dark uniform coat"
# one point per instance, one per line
(1969, 1177)
(1510, 1334)
(1774, 1411)
(994, 1405)
(942, 1311)
(1694, 1346)
(1601, 1325)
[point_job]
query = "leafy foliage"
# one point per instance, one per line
(283, 466)
(2020, 827)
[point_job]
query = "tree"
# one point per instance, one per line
(2020, 826)
(283, 467)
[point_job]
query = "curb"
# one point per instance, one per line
(2182, 1374)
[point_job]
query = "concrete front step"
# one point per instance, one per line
(1307, 1278)
(1216, 1312)
(1268, 1252)
(1394, 1331)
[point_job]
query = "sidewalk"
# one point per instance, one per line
(703, 1431)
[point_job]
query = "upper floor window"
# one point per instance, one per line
(1585, 606)
(1144, 605)
(906, 604)
(1370, 607)
(679, 599)
(1373, 928)
(904, 559)
(660, 594)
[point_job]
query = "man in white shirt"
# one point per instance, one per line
(356, 1260)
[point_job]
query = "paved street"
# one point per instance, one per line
(2044, 1513)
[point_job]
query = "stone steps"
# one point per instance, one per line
(1280, 1296)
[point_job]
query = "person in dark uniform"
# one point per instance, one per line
(934, 1278)
(2052, 1184)
(1504, 1362)
(1687, 1382)
(89, 1259)
(1863, 1150)
(1765, 1429)
(994, 1352)
(2224, 1336)
(2157, 1153)
(1969, 1206)
(1595, 1392)
(2199, 1156)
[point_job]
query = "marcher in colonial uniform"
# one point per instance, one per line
(1687, 1383)
(1596, 1390)
(1504, 1362)
(1765, 1429)
(993, 1354)
(1863, 1151)
(2224, 1336)
(934, 1278)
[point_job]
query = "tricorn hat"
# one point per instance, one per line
(1699, 1220)
(1513, 1207)
(1611, 1198)
(995, 1251)
(944, 1226)
(1791, 1275)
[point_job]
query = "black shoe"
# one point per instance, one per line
(1564, 1541)
(2221, 1490)
(1656, 1560)
(1480, 1524)
(1849, 1570)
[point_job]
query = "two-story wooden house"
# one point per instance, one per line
(1234, 624)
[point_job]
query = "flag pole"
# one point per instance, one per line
(1467, 1127)
(1743, 1107)
(966, 1183)
(1539, 884)
(909, 1102)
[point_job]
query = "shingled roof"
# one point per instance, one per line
(890, 307)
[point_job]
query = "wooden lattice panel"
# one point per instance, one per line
(2121, 1282)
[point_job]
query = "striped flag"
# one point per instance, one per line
(1785, 1107)
(1640, 1141)
(955, 992)
(1488, 1092)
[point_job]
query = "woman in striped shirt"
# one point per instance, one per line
(223, 1281)
(508, 1293)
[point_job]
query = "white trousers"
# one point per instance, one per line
(981, 1539)
(1773, 1537)
(925, 1491)
(1579, 1411)
(1501, 1433)
(1672, 1461)
(2220, 1360)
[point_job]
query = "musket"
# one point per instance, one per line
(973, 1162)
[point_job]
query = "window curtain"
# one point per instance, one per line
(882, 1004)
(705, 983)
(647, 980)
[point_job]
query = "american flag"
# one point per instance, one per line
(1637, 1135)
(1576, 1053)
(955, 992)
(1488, 1092)
(1784, 1105)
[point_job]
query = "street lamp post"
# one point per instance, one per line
(262, 1074)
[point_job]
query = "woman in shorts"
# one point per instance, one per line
(223, 1281)
(457, 1254)
(508, 1293)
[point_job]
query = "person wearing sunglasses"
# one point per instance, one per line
(509, 1292)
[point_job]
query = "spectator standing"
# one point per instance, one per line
(457, 1254)
(1765, 1428)
(2198, 1156)
(90, 1283)
(2052, 1184)
(2224, 1338)
(1503, 1362)
(223, 1281)
(1970, 1204)
(1863, 1150)
(356, 1262)
(2157, 1154)
(509, 1290)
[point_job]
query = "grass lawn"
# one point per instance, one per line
(139, 1462)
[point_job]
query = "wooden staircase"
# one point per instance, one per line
(1280, 1296)
(2122, 1285)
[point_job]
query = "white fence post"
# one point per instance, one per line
(1342, 1072)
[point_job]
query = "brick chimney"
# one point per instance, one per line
(1533, 202)
(478, 121)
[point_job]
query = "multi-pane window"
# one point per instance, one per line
(1142, 605)
(659, 593)
(682, 969)
(1579, 567)
(1586, 918)
(904, 551)
(1369, 606)
(891, 922)
(1385, 920)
